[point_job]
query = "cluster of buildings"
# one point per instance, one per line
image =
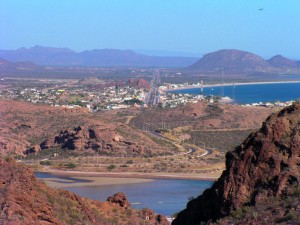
(107, 98)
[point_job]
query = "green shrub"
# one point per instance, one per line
(129, 161)
(111, 167)
(71, 165)
(46, 163)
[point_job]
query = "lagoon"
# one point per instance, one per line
(165, 196)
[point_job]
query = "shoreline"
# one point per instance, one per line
(71, 178)
(230, 84)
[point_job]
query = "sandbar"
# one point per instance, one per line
(70, 178)
(74, 181)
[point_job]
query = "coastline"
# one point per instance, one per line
(230, 84)
(70, 178)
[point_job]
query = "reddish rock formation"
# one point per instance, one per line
(85, 138)
(139, 83)
(27, 201)
(265, 166)
(78, 138)
(119, 199)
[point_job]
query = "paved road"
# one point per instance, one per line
(191, 150)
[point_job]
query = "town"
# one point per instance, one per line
(95, 94)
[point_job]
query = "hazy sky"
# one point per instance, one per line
(196, 26)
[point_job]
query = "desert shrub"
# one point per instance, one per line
(111, 167)
(9, 158)
(46, 163)
(71, 165)
(287, 217)
(129, 161)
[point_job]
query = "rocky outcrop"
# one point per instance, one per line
(102, 141)
(119, 199)
(266, 165)
(78, 138)
(139, 83)
(84, 138)
(27, 201)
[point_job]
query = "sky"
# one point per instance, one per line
(264, 27)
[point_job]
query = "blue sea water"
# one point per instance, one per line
(253, 93)
(165, 196)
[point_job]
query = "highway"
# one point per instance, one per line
(190, 150)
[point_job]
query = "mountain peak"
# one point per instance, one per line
(230, 60)
(282, 62)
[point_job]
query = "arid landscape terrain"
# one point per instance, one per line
(263, 170)
(191, 139)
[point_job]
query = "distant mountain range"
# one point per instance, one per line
(45, 56)
(229, 61)
(236, 61)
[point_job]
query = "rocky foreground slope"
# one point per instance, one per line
(261, 182)
(27, 201)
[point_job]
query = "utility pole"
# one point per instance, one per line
(222, 88)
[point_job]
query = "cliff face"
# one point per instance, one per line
(27, 201)
(266, 165)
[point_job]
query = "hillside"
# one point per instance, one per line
(29, 128)
(261, 182)
(45, 56)
(26, 200)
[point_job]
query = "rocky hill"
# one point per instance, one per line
(139, 83)
(282, 62)
(262, 175)
(46, 56)
(26, 200)
(230, 60)
(233, 61)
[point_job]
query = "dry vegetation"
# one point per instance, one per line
(211, 129)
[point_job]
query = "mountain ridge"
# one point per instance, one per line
(230, 61)
(48, 56)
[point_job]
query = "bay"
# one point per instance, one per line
(252, 93)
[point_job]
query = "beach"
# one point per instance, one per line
(230, 84)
